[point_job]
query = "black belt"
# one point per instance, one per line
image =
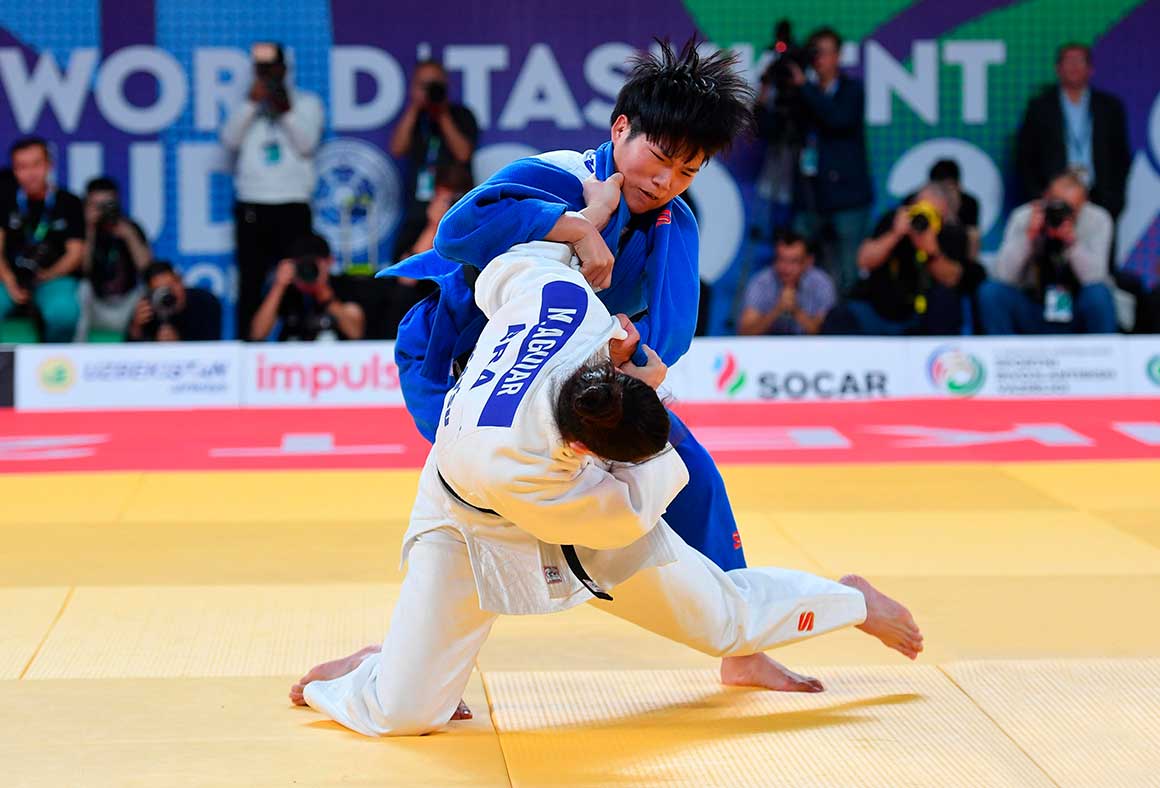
(568, 550)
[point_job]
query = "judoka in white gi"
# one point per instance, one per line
(545, 489)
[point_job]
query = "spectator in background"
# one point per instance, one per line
(273, 134)
(301, 297)
(790, 296)
(917, 272)
(1051, 271)
(832, 191)
(946, 173)
(171, 312)
(116, 252)
(1072, 125)
(432, 133)
(42, 232)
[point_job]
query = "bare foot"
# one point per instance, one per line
(340, 667)
(330, 670)
(886, 619)
(758, 670)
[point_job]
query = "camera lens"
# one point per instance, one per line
(436, 92)
(919, 223)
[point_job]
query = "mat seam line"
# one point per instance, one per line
(785, 534)
(52, 626)
(999, 727)
(499, 739)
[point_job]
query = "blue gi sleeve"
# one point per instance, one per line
(520, 203)
(673, 289)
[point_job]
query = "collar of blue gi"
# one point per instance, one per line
(605, 167)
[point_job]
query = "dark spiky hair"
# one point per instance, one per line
(686, 102)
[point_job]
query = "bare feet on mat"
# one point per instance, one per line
(758, 670)
(330, 670)
(886, 619)
(340, 667)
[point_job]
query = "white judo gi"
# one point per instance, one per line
(498, 448)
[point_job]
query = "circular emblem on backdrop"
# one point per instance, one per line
(1154, 369)
(56, 374)
(730, 377)
(956, 373)
(355, 177)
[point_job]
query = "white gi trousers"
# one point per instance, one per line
(415, 684)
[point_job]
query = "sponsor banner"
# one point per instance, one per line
(332, 373)
(1042, 366)
(754, 369)
(1143, 365)
(7, 377)
(188, 375)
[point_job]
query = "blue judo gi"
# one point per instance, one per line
(655, 281)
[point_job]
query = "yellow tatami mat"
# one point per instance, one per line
(27, 615)
(186, 733)
(874, 726)
(1086, 722)
(151, 625)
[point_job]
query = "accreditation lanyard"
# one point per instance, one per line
(45, 223)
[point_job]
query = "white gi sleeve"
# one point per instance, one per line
(599, 509)
(521, 272)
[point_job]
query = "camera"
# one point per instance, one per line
(785, 51)
(272, 74)
(436, 92)
(788, 109)
(163, 301)
(30, 262)
(306, 269)
(923, 217)
(1055, 213)
(108, 214)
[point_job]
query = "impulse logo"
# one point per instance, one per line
(375, 373)
(730, 377)
(957, 373)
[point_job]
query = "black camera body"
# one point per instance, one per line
(1055, 213)
(34, 259)
(109, 214)
(436, 92)
(789, 126)
(1051, 265)
(273, 76)
(306, 270)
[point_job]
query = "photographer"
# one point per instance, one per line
(432, 134)
(789, 297)
(116, 252)
(1051, 271)
(274, 135)
(301, 296)
(171, 312)
(825, 109)
(917, 272)
(42, 234)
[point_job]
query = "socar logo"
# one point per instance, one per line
(730, 377)
(1154, 369)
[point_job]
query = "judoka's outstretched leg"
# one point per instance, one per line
(747, 611)
(702, 515)
(415, 683)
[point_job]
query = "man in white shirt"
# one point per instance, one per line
(545, 490)
(1050, 275)
(273, 136)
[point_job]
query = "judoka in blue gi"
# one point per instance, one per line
(619, 207)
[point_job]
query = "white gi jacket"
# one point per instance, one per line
(498, 448)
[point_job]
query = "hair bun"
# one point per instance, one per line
(600, 403)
